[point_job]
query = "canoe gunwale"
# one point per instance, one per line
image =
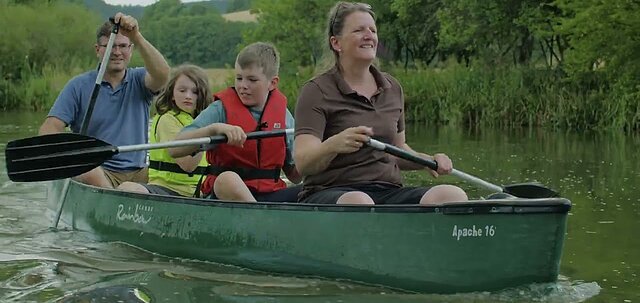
(498, 206)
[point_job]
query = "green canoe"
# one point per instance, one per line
(480, 245)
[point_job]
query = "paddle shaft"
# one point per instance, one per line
(200, 141)
(401, 153)
(92, 102)
(102, 67)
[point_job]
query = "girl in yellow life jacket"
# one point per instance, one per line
(186, 94)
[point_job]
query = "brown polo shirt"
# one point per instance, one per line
(327, 105)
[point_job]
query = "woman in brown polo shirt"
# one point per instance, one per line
(340, 109)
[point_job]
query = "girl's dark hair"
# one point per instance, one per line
(165, 102)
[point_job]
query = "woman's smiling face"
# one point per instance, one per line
(359, 37)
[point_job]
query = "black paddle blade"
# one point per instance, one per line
(532, 190)
(55, 156)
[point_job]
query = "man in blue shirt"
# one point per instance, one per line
(121, 113)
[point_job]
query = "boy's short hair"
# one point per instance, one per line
(260, 54)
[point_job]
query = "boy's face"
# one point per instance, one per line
(253, 86)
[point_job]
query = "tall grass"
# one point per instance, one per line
(38, 89)
(456, 95)
(513, 97)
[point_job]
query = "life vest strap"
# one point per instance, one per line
(247, 173)
(243, 172)
(175, 168)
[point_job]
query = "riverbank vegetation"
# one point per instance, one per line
(564, 64)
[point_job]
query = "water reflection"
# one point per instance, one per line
(198, 282)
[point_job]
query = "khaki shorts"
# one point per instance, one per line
(117, 178)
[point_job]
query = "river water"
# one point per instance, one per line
(598, 172)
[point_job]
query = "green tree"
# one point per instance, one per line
(295, 27)
(497, 31)
(106, 10)
(604, 37)
(192, 33)
(416, 28)
(239, 5)
(161, 9)
(61, 39)
(604, 57)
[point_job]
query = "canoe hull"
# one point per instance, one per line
(471, 247)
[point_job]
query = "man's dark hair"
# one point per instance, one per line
(104, 30)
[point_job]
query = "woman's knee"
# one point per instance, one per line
(355, 197)
(443, 194)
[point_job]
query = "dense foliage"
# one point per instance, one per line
(105, 10)
(561, 63)
(584, 54)
(41, 49)
(238, 5)
(194, 33)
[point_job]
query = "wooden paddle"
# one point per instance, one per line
(65, 155)
(522, 190)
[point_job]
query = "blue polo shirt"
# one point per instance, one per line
(120, 116)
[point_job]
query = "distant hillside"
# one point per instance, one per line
(105, 10)
(242, 16)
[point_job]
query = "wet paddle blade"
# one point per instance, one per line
(530, 190)
(55, 156)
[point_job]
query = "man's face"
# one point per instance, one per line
(120, 53)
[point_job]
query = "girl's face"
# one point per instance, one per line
(185, 94)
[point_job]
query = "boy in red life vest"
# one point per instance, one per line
(247, 170)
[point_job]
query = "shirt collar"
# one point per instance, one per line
(127, 76)
(344, 87)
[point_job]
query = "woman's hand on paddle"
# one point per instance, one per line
(128, 25)
(445, 166)
(351, 139)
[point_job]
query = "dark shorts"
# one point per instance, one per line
(160, 190)
(289, 194)
(380, 193)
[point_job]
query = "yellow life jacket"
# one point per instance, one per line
(163, 169)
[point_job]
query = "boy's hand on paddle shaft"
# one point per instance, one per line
(235, 135)
(351, 139)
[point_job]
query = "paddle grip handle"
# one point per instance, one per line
(401, 153)
(116, 26)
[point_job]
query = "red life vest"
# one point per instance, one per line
(257, 157)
